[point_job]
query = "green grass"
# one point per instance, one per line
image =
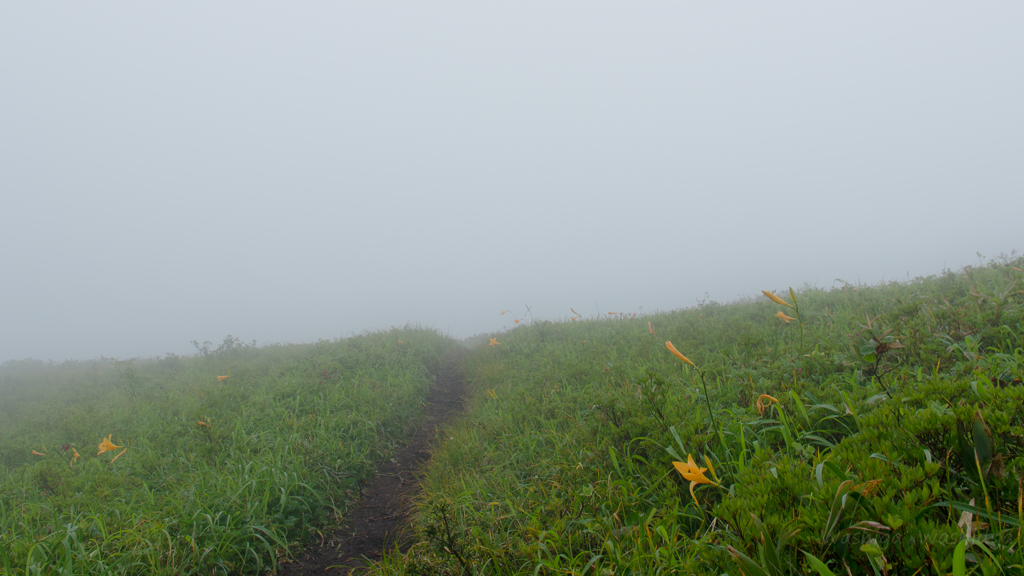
(881, 431)
(282, 448)
(898, 419)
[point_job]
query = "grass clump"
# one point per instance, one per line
(217, 463)
(877, 430)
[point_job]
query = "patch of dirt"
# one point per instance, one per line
(375, 524)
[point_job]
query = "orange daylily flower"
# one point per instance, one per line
(575, 318)
(763, 402)
(106, 445)
(39, 453)
(776, 299)
(493, 342)
(222, 378)
(503, 312)
(201, 423)
(784, 318)
(650, 328)
(694, 474)
(678, 354)
(492, 394)
(517, 320)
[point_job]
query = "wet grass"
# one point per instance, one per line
(879, 430)
(209, 476)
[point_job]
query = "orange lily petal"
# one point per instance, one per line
(678, 354)
(776, 299)
(763, 402)
(696, 473)
(106, 445)
(784, 318)
(682, 467)
(118, 455)
(693, 473)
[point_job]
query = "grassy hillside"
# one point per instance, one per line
(873, 430)
(201, 474)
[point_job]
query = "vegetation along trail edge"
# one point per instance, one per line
(377, 521)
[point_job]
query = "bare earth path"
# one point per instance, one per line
(375, 523)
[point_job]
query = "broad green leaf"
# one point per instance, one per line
(965, 446)
(747, 566)
(800, 407)
(959, 559)
(818, 565)
(872, 549)
(982, 440)
(1005, 520)
(671, 451)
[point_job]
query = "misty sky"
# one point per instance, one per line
(292, 171)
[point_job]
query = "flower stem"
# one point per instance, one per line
(707, 400)
(800, 318)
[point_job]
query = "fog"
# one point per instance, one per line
(182, 171)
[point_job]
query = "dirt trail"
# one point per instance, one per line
(376, 522)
